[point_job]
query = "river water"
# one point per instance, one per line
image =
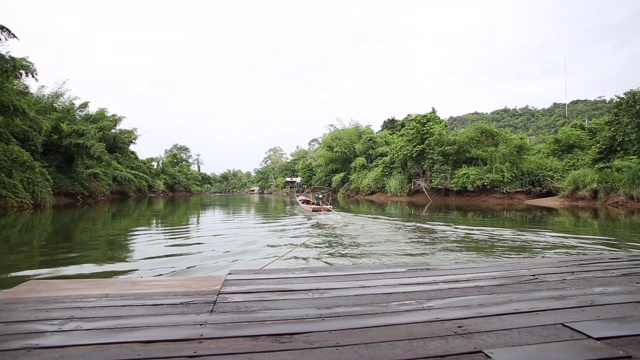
(211, 234)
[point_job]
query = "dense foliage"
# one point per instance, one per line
(537, 122)
(51, 143)
(593, 153)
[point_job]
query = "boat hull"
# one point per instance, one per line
(316, 208)
(307, 204)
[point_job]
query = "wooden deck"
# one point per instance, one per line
(556, 308)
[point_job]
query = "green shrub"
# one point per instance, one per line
(583, 182)
(541, 173)
(23, 182)
(397, 185)
(622, 177)
(629, 177)
(468, 178)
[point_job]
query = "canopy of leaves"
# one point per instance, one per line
(619, 133)
(522, 149)
(51, 143)
(536, 122)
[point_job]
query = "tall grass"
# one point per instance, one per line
(366, 181)
(623, 178)
(583, 182)
(629, 178)
(397, 185)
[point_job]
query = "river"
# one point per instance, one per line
(212, 234)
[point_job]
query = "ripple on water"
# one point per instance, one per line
(220, 235)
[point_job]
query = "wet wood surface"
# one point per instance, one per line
(565, 307)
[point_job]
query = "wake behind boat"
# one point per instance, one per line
(317, 199)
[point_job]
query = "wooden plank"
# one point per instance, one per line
(91, 312)
(281, 327)
(308, 344)
(394, 271)
(419, 278)
(383, 268)
(93, 323)
(339, 290)
(155, 351)
(325, 270)
(607, 328)
(542, 318)
(440, 303)
(337, 276)
(431, 347)
(563, 350)
(348, 337)
(30, 301)
(475, 356)
(402, 296)
(41, 288)
(51, 304)
(632, 271)
(306, 294)
(345, 309)
(628, 344)
(380, 316)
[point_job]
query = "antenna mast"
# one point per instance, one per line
(566, 103)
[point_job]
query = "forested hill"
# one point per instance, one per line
(536, 122)
(52, 144)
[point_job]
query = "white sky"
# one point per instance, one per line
(232, 79)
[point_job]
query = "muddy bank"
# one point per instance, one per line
(614, 201)
(499, 198)
(485, 198)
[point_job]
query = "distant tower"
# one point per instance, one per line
(566, 102)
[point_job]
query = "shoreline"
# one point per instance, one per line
(488, 198)
(499, 198)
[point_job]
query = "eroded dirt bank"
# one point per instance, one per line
(499, 198)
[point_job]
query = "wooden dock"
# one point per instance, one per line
(553, 308)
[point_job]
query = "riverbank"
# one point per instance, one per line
(500, 198)
(476, 197)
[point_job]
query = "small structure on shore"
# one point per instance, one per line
(292, 181)
(292, 184)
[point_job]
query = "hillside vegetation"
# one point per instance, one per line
(537, 122)
(53, 144)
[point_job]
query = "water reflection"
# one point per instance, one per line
(207, 235)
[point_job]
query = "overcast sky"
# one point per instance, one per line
(233, 79)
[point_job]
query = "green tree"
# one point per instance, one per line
(392, 125)
(86, 152)
(535, 122)
(176, 170)
(23, 181)
(572, 146)
(619, 133)
(301, 163)
(490, 158)
(339, 153)
(423, 148)
(234, 180)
